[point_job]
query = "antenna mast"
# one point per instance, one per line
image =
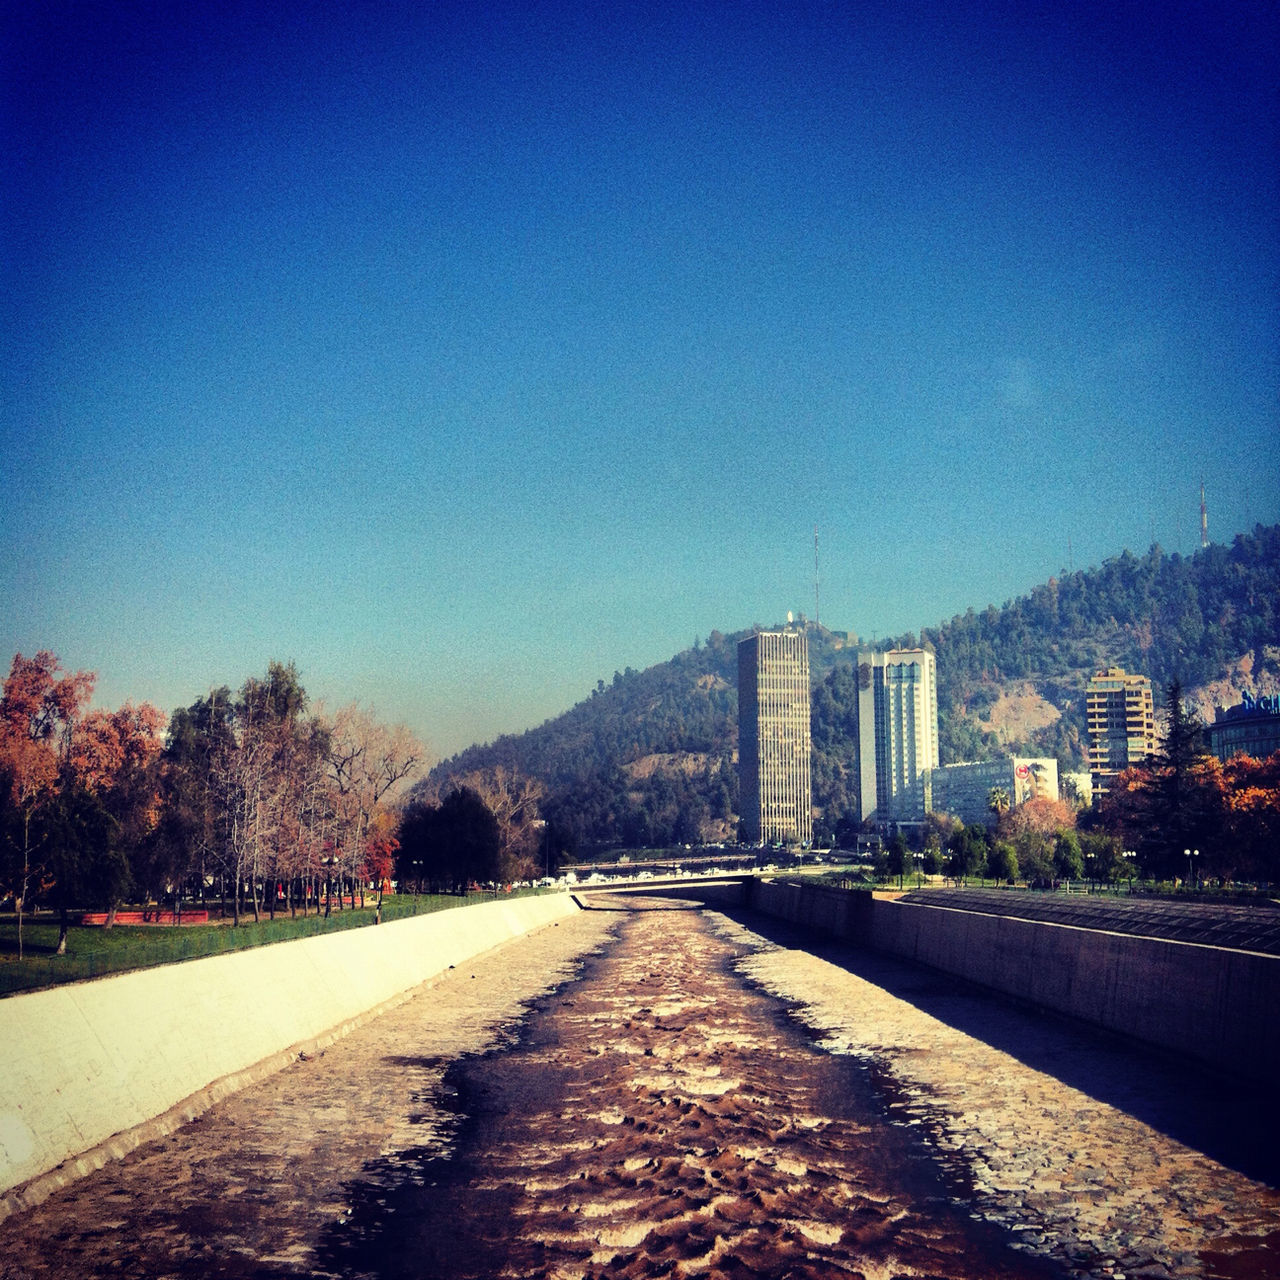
(1204, 519)
(817, 614)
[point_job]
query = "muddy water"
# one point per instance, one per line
(662, 1118)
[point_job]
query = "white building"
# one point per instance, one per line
(897, 734)
(964, 790)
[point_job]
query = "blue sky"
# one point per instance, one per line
(466, 353)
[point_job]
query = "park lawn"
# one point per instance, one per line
(93, 951)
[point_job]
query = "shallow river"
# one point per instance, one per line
(653, 1090)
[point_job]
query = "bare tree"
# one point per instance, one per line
(513, 799)
(368, 761)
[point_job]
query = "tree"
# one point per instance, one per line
(513, 799)
(1002, 862)
(1183, 809)
(82, 853)
(253, 752)
(1104, 855)
(968, 847)
(1032, 828)
(189, 838)
(1172, 803)
(381, 844)
(899, 856)
(368, 762)
(470, 838)
(114, 757)
(308, 816)
(1246, 792)
(39, 707)
(42, 705)
(447, 846)
(998, 802)
(1068, 861)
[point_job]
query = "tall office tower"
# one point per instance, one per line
(897, 734)
(1122, 725)
(773, 738)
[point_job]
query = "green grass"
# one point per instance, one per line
(93, 952)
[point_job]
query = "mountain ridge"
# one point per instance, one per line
(1009, 679)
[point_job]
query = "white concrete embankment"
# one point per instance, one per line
(1214, 1004)
(90, 1069)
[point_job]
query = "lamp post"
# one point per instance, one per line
(919, 870)
(1191, 855)
(1130, 858)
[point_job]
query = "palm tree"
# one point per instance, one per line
(998, 801)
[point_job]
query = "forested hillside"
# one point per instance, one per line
(648, 757)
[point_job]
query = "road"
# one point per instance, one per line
(652, 1090)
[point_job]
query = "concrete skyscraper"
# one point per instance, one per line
(773, 738)
(897, 734)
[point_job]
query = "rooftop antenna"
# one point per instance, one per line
(1204, 519)
(817, 613)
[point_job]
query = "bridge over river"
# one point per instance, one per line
(651, 1088)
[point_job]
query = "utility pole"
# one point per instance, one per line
(817, 613)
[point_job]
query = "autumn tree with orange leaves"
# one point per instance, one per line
(1184, 798)
(78, 789)
(39, 707)
(1250, 809)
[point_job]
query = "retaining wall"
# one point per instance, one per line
(89, 1070)
(1213, 1004)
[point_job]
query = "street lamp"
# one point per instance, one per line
(919, 870)
(1191, 855)
(1131, 858)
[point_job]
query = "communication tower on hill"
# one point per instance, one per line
(1204, 518)
(817, 613)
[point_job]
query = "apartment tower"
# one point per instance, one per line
(897, 734)
(773, 738)
(1122, 725)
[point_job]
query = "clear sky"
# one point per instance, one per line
(464, 353)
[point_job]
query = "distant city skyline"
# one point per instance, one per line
(464, 354)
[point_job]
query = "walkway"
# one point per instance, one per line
(1211, 924)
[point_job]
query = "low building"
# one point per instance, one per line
(964, 790)
(1251, 728)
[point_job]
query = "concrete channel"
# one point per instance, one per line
(656, 1087)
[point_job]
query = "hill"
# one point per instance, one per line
(648, 759)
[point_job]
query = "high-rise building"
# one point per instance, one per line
(773, 738)
(897, 734)
(1122, 725)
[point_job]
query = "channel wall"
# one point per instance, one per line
(91, 1069)
(1213, 1004)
